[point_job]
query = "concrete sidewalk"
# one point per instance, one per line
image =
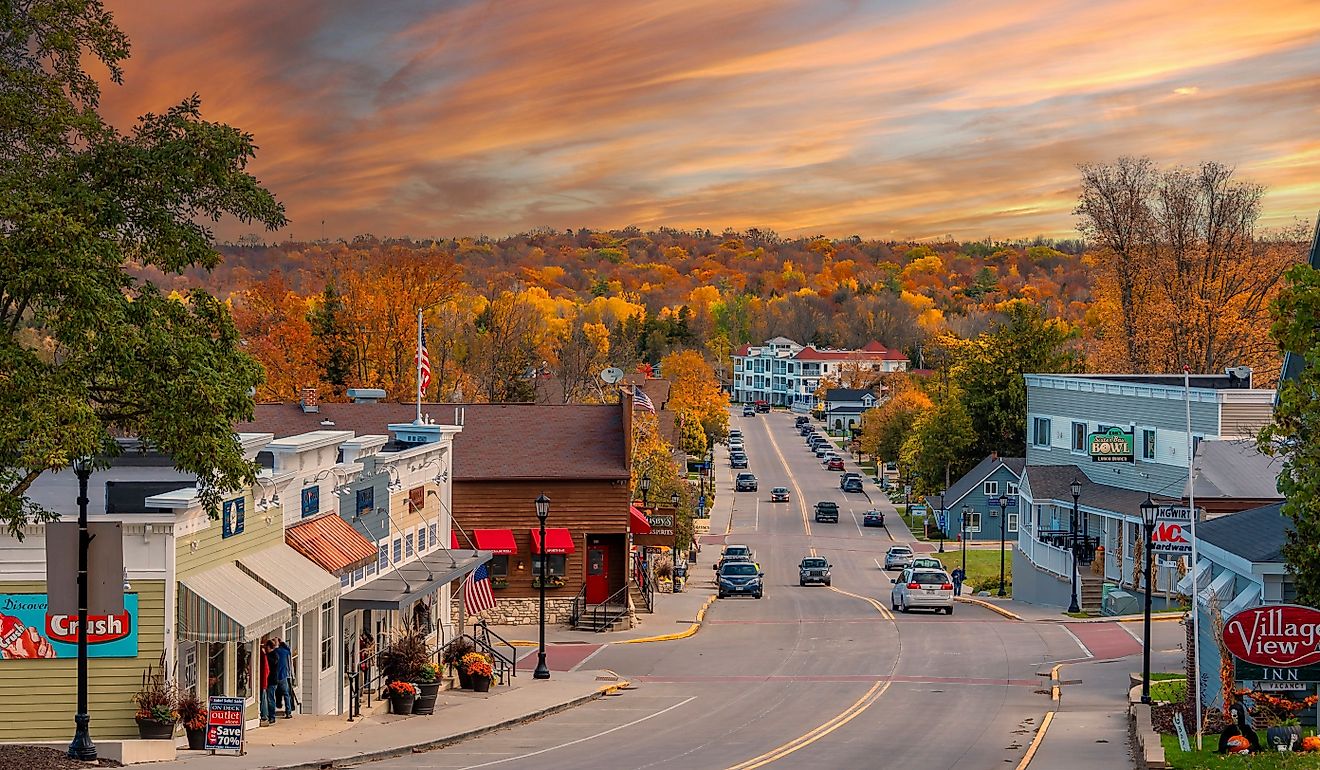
(1042, 614)
(459, 715)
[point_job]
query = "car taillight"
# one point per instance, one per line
(914, 585)
(947, 586)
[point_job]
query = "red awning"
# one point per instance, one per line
(557, 540)
(453, 540)
(637, 522)
(498, 541)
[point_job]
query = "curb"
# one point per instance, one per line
(1035, 743)
(691, 629)
(989, 606)
(449, 740)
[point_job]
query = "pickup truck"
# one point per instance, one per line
(827, 511)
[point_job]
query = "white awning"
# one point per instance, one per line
(1221, 588)
(291, 576)
(223, 604)
(1185, 584)
(1249, 597)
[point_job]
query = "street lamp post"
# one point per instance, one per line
(542, 511)
(1003, 518)
(962, 535)
(943, 521)
(1076, 489)
(82, 747)
(645, 486)
(1149, 510)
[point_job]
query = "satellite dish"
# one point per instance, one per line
(612, 375)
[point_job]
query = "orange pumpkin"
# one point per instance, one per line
(1311, 743)
(1239, 745)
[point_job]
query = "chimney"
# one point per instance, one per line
(310, 402)
(994, 454)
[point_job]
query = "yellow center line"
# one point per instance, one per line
(792, 479)
(851, 713)
(883, 610)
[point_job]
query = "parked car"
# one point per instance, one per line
(741, 577)
(843, 479)
(927, 562)
(873, 518)
(922, 588)
(763, 407)
(827, 511)
(834, 464)
(898, 557)
(801, 420)
(822, 450)
(749, 411)
(814, 569)
(737, 460)
(779, 495)
(745, 482)
(853, 484)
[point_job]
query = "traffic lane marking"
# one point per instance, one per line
(1104, 640)
(973, 681)
(801, 742)
(1035, 743)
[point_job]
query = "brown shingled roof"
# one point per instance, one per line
(499, 441)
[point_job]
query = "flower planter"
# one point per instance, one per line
(402, 704)
(1289, 736)
(481, 683)
(464, 679)
(196, 738)
(151, 730)
(425, 703)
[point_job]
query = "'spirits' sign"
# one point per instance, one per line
(1112, 446)
(1277, 636)
(28, 631)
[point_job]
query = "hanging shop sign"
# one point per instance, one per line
(1172, 535)
(1278, 636)
(1112, 446)
(28, 632)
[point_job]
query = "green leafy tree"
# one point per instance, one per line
(88, 352)
(886, 427)
(938, 446)
(1296, 329)
(989, 371)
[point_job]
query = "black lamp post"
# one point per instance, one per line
(1076, 488)
(645, 486)
(943, 521)
(962, 533)
(82, 747)
(1003, 518)
(1149, 510)
(542, 511)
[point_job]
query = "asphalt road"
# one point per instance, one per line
(806, 677)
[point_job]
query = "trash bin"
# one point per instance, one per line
(1104, 591)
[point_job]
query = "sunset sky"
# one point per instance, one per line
(897, 119)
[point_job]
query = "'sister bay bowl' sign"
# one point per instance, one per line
(1276, 636)
(1112, 446)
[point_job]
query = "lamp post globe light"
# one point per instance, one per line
(542, 512)
(1149, 510)
(645, 486)
(1003, 518)
(82, 747)
(1076, 489)
(962, 535)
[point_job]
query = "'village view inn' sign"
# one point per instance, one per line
(1277, 643)
(1112, 446)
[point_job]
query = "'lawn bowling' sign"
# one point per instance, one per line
(1112, 446)
(1275, 643)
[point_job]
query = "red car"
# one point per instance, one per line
(835, 464)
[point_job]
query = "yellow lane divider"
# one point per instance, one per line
(797, 490)
(851, 713)
(1035, 743)
(880, 608)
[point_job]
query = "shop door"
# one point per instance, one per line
(598, 575)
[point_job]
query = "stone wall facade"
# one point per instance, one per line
(522, 611)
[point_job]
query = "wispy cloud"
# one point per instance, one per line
(890, 119)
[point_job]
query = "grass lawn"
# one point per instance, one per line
(1168, 687)
(1208, 758)
(916, 528)
(982, 568)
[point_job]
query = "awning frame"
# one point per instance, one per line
(398, 587)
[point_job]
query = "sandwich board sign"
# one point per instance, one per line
(224, 724)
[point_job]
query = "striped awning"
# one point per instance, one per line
(290, 576)
(224, 604)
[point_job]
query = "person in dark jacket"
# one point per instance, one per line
(958, 577)
(267, 690)
(282, 670)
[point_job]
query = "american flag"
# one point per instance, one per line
(425, 364)
(477, 595)
(641, 400)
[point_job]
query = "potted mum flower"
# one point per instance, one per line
(479, 667)
(402, 696)
(453, 657)
(428, 688)
(156, 699)
(193, 715)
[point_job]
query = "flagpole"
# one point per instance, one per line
(1196, 589)
(418, 420)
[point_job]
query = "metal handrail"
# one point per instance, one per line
(602, 618)
(579, 607)
(487, 634)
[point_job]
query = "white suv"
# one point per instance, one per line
(922, 588)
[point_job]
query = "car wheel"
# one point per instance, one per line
(902, 607)
(827, 584)
(802, 582)
(721, 594)
(756, 596)
(948, 610)
(893, 603)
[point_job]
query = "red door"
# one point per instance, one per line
(598, 575)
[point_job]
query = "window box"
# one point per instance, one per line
(551, 581)
(499, 581)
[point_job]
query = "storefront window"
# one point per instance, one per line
(188, 667)
(327, 635)
(553, 567)
(499, 571)
(291, 635)
(244, 669)
(215, 669)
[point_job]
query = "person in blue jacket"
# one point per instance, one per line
(281, 671)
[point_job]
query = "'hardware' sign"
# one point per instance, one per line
(1173, 532)
(1112, 446)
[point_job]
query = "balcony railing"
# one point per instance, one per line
(1048, 557)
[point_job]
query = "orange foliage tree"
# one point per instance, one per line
(272, 320)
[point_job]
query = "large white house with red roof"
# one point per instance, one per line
(785, 373)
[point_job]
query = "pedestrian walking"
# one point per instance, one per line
(958, 577)
(267, 685)
(283, 671)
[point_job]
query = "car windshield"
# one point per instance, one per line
(779, 489)
(827, 506)
(745, 476)
(928, 578)
(813, 563)
(739, 568)
(736, 550)
(901, 551)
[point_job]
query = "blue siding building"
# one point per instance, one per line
(977, 494)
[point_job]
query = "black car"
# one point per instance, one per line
(737, 460)
(853, 484)
(740, 577)
(779, 495)
(814, 569)
(763, 407)
(873, 518)
(827, 511)
(745, 482)
(843, 478)
(801, 420)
